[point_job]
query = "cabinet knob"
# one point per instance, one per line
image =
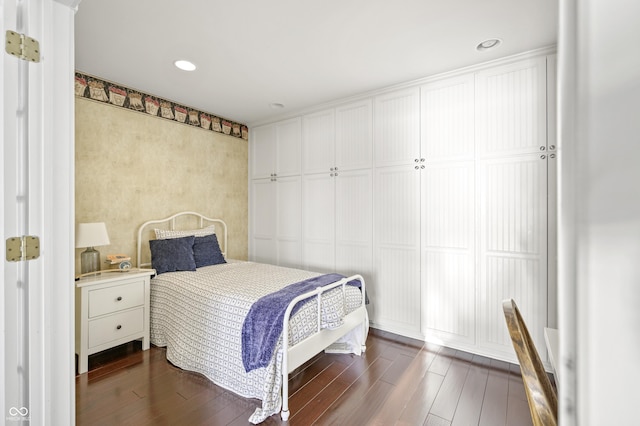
(119, 298)
(422, 160)
(552, 156)
(542, 148)
(118, 327)
(416, 160)
(542, 157)
(422, 167)
(335, 168)
(331, 175)
(417, 167)
(331, 169)
(335, 174)
(552, 147)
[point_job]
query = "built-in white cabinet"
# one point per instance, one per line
(338, 139)
(440, 194)
(275, 149)
(478, 206)
(338, 222)
(337, 189)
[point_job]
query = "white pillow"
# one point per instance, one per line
(165, 234)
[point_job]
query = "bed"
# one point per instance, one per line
(216, 318)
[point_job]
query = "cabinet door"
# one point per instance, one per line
(447, 114)
(289, 221)
(395, 289)
(511, 108)
(288, 141)
(319, 142)
(397, 127)
(263, 221)
(354, 136)
(263, 151)
(448, 252)
(319, 222)
(512, 247)
(354, 223)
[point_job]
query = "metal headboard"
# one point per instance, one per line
(179, 221)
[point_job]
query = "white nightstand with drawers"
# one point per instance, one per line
(112, 308)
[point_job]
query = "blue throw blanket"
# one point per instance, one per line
(263, 325)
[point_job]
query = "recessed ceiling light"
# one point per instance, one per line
(488, 44)
(276, 105)
(184, 65)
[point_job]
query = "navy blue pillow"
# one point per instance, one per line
(175, 254)
(206, 251)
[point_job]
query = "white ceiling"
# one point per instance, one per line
(295, 52)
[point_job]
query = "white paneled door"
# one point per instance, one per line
(511, 108)
(289, 221)
(448, 211)
(338, 222)
(395, 291)
(319, 222)
(288, 146)
(354, 136)
(354, 223)
(448, 252)
(318, 142)
(397, 127)
(263, 151)
(276, 221)
(36, 177)
(263, 221)
(513, 246)
(275, 149)
(448, 119)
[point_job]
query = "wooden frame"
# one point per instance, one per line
(542, 398)
(293, 355)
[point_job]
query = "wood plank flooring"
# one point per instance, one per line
(397, 381)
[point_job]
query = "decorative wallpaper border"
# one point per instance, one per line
(97, 89)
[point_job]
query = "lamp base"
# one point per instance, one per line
(89, 260)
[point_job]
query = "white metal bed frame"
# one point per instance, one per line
(200, 222)
(292, 356)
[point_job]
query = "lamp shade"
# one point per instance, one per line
(91, 235)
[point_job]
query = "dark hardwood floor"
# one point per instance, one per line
(397, 381)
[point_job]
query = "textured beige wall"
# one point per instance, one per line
(131, 167)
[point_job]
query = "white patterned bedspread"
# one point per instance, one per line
(198, 316)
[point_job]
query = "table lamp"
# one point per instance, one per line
(90, 235)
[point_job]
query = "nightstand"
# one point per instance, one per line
(112, 308)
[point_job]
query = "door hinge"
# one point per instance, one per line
(23, 47)
(22, 248)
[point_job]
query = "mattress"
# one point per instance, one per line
(198, 317)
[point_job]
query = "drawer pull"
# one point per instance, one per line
(119, 298)
(118, 327)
